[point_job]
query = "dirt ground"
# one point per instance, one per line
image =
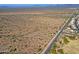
(72, 47)
(27, 33)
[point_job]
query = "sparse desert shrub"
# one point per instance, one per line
(10, 46)
(0, 36)
(54, 45)
(0, 29)
(26, 45)
(71, 37)
(39, 49)
(14, 38)
(60, 51)
(39, 46)
(39, 38)
(60, 42)
(53, 51)
(49, 34)
(13, 49)
(65, 40)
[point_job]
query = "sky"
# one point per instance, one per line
(36, 5)
(25, 5)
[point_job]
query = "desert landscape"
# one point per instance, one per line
(27, 33)
(29, 30)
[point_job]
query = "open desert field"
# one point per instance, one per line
(27, 33)
(73, 46)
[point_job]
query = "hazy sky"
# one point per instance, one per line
(37, 5)
(26, 5)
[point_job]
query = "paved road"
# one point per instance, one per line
(54, 39)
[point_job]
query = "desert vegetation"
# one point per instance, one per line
(27, 33)
(67, 44)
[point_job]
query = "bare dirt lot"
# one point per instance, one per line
(27, 33)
